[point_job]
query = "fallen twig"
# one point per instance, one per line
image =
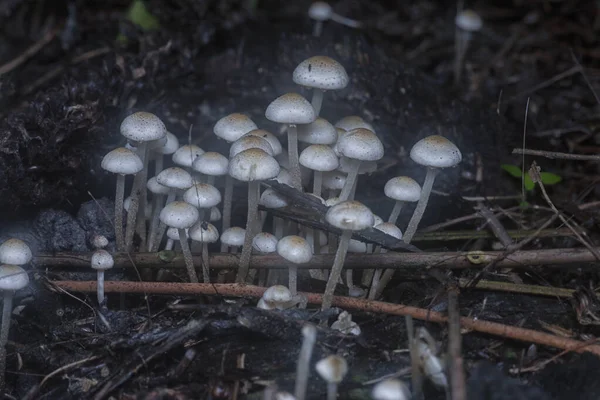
(519, 288)
(556, 155)
(29, 52)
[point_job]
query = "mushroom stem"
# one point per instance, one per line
(462, 44)
(136, 191)
(293, 278)
(210, 179)
(411, 229)
(317, 100)
(353, 167)
(162, 228)
(292, 134)
(187, 256)
(309, 337)
(332, 391)
(100, 287)
(349, 279)
(395, 212)
(119, 197)
(253, 189)
(205, 263)
(336, 269)
(227, 201)
(156, 207)
(318, 28)
(6, 316)
(158, 163)
(317, 183)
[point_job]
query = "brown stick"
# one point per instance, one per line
(241, 290)
(28, 53)
(457, 372)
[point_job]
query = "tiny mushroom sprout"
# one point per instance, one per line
(332, 369)
(319, 158)
(101, 261)
(121, 161)
(204, 233)
(390, 389)
(467, 22)
(292, 109)
(320, 11)
(402, 189)
(99, 241)
(345, 324)
(320, 73)
(349, 216)
(275, 297)
(296, 250)
(186, 155)
(182, 215)
(12, 278)
(211, 164)
(252, 166)
(434, 152)
(309, 338)
(15, 252)
(358, 145)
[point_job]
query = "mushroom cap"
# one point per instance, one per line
(252, 165)
(153, 186)
(290, 108)
(202, 195)
(350, 215)
(186, 154)
(377, 220)
(390, 389)
(356, 246)
(332, 368)
(435, 151)
(319, 157)
(361, 144)
(269, 137)
(321, 72)
(122, 161)
(295, 249)
(334, 180)
(402, 188)
(264, 305)
(389, 229)
(320, 11)
(233, 236)
(320, 131)
(250, 142)
(173, 233)
(277, 294)
(143, 127)
(468, 20)
(15, 252)
(204, 232)
(175, 178)
(13, 277)
(272, 199)
(211, 163)
(351, 122)
(265, 242)
(284, 177)
(102, 260)
(179, 214)
(215, 214)
(233, 126)
(170, 146)
(99, 241)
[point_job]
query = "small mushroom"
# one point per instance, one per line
(296, 250)
(390, 389)
(332, 369)
(101, 261)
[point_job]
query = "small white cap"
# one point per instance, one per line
(202, 195)
(15, 252)
(356, 246)
(332, 368)
(13, 277)
(211, 163)
(253, 165)
(321, 72)
(265, 243)
(170, 146)
(320, 131)
(277, 294)
(143, 127)
(215, 214)
(350, 215)
(122, 161)
(153, 186)
(186, 154)
(234, 236)
(102, 260)
(291, 108)
(402, 188)
(345, 324)
(353, 122)
(263, 305)
(99, 241)
(204, 232)
(269, 137)
(179, 214)
(377, 220)
(295, 249)
(468, 20)
(334, 180)
(389, 229)
(320, 11)
(233, 126)
(284, 177)
(250, 142)
(361, 144)
(175, 178)
(319, 157)
(390, 389)
(173, 233)
(272, 199)
(436, 151)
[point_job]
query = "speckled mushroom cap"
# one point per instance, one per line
(350, 215)
(389, 229)
(269, 137)
(272, 199)
(319, 157)
(468, 20)
(291, 108)
(436, 151)
(233, 126)
(175, 178)
(154, 187)
(143, 127)
(13, 277)
(233, 236)
(332, 368)
(334, 180)
(211, 163)
(402, 188)
(295, 249)
(171, 145)
(15, 252)
(122, 161)
(320, 11)
(252, 165)
(361, 144)
(250, 142)
(202, 195)
(204, 232)
(321, 72)
(187, 154)
(320, 131)
(265, 242)
(390, 389)
(102, 260)
(353, 122)
(179, 214)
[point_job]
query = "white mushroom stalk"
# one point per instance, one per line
(321, 12)
(309, 338)
(101, 261)
(296, 250)
(204, 233)
(467, 22)
(159, 192)
(332, 369)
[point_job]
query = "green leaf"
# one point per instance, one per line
(513, 170)
(139, 15)
(529, 184)
(524, 205)
(549, 178)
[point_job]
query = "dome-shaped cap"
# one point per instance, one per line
(179, 214)
(175, 178)
(154, 187)
(402, 188)
(320, 131)
(202, 195)
(468, 20)
(204, 232)
(295, 249)
(332, 369)
(269, 137)
(291, 108)
(389, 229)
(265, 242)
(277, 294)
(99, 241)
(320, 11)
(211, 163)
(319, 157)
(215, 214)
(173, 233)
(350, 215)
(361, 144)
(15, 252)
(250, 142)
(253, 165)
(390, 389)
(334, 180)
(284, 177)
(186, 154)
(102, 260)
(321, 72)
(13, 277)
(353, 122)
(436, 151)
(233, 236)
(171, 145)
(233, 126)
(143, 127)
(122, 161)
(272, 199)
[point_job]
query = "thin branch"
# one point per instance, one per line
(28, 53)
(457, 372)
(556, 155)
(571, 71)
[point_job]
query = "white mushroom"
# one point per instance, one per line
(101, 261)
(296, 250)
(332, 369)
